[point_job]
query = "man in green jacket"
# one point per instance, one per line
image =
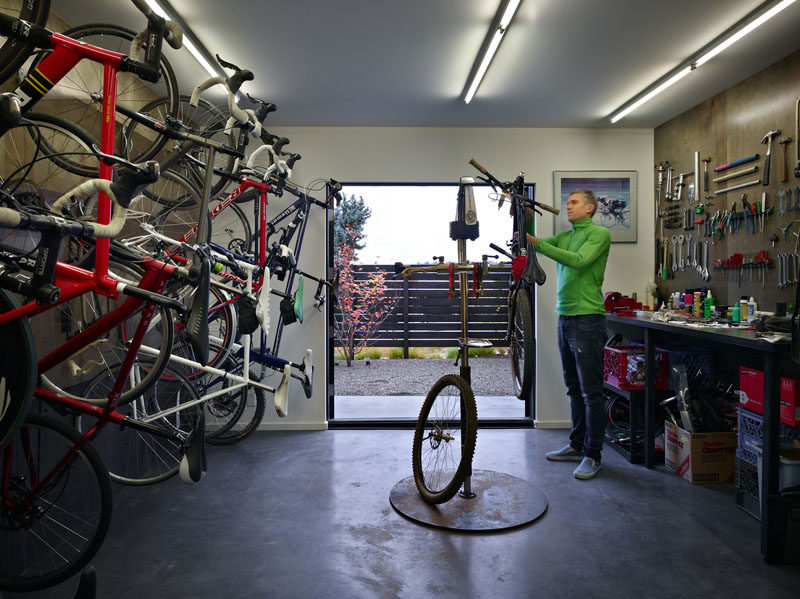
(581, 256)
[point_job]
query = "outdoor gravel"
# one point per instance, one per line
(415, 376)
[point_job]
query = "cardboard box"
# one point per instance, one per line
(790, 401)
(700, 457)
(751, 389)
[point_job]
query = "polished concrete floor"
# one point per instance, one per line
(307, 515)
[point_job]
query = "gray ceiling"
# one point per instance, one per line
(563, 63)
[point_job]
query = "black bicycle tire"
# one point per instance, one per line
(226, 400)
(246, 241)
(105, 508)
(19, 364)
(74, 129)
(228, 437)
(14, 52)
(468, 441)
(167, 75)
(226, 161)
(152, 374)
(522, 307)
(164, 448)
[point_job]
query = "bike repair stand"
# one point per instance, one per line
(488, 501)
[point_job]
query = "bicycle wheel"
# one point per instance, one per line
(45, 158)
(77, 96)
(49, 533)
(230, 229)
(522, 343)
(17, 370)
(101, 358)
(136, 457)
(223, 411)
(14, 52)
(205, 120)
(444, 439)
(252, 404)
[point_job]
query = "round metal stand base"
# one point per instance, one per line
(501, 502)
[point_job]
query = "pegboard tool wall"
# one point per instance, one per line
(727, 127)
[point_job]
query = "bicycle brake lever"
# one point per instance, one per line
(112, 160)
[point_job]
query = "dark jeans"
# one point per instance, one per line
(581, 340)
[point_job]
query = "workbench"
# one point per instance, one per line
(741, 341)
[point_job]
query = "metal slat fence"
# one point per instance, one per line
(425, 317)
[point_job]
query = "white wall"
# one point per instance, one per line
(440, 155)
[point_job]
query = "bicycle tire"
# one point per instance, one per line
(63, 528)
(231, 229)
(17, 369)
(223, 411)
(206, 120)
(99, 358)
(252, 413)
(522, 343)
(87, 78)
(14, 52)
(135, 457)
(444, 439)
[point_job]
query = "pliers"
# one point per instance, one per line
(749, 224)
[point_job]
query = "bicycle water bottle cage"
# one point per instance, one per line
(533, 272)
(10, 114)
(197, 320)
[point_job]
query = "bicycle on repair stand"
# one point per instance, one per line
(525, 270)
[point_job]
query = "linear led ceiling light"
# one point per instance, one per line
(500, 23)
(759, 16)
(190, 41)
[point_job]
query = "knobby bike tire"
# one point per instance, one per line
(65, 524)
(14, 52)
(205, 120)
(74, 100)
(17, 370)
(135, 457)
(101, 357)
(522, 343)
(444, 439)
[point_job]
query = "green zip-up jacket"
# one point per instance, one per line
(581, 255)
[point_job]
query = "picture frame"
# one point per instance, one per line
(617, 200)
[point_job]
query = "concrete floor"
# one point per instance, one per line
(307, 514)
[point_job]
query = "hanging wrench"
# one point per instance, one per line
(674, 253)
(694, 254)
(705, 261)
(688, 248)
(681, 263)
(781, 196)
(796, 194)
(794, 268)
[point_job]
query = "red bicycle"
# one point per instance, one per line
(55, 500)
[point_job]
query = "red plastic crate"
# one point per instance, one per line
(623, 367)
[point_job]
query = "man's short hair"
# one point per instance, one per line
(588, 197)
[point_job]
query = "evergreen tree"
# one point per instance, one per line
(348, 223)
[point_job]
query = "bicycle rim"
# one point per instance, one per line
(253, 403)
(231, 229)
(14, 52)
(136, 457)
(522, 344)
(53, 537)
(101, 357)
(72, 97)
(444, 439)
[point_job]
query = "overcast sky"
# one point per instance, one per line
(411, 224)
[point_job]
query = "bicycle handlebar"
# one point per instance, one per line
(506, 187)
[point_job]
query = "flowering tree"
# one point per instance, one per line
(362, 302)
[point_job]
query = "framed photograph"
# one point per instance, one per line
(616, 200)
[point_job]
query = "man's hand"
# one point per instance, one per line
(530, 238)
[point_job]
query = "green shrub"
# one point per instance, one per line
(396, 352)
(372, 353)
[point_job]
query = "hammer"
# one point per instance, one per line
(784, 142)
(768, 140)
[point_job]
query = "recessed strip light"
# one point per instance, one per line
(758, 17)
(190, 41)
(502, 19)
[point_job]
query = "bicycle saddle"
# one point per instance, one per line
(533, 272)
(197, 320)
